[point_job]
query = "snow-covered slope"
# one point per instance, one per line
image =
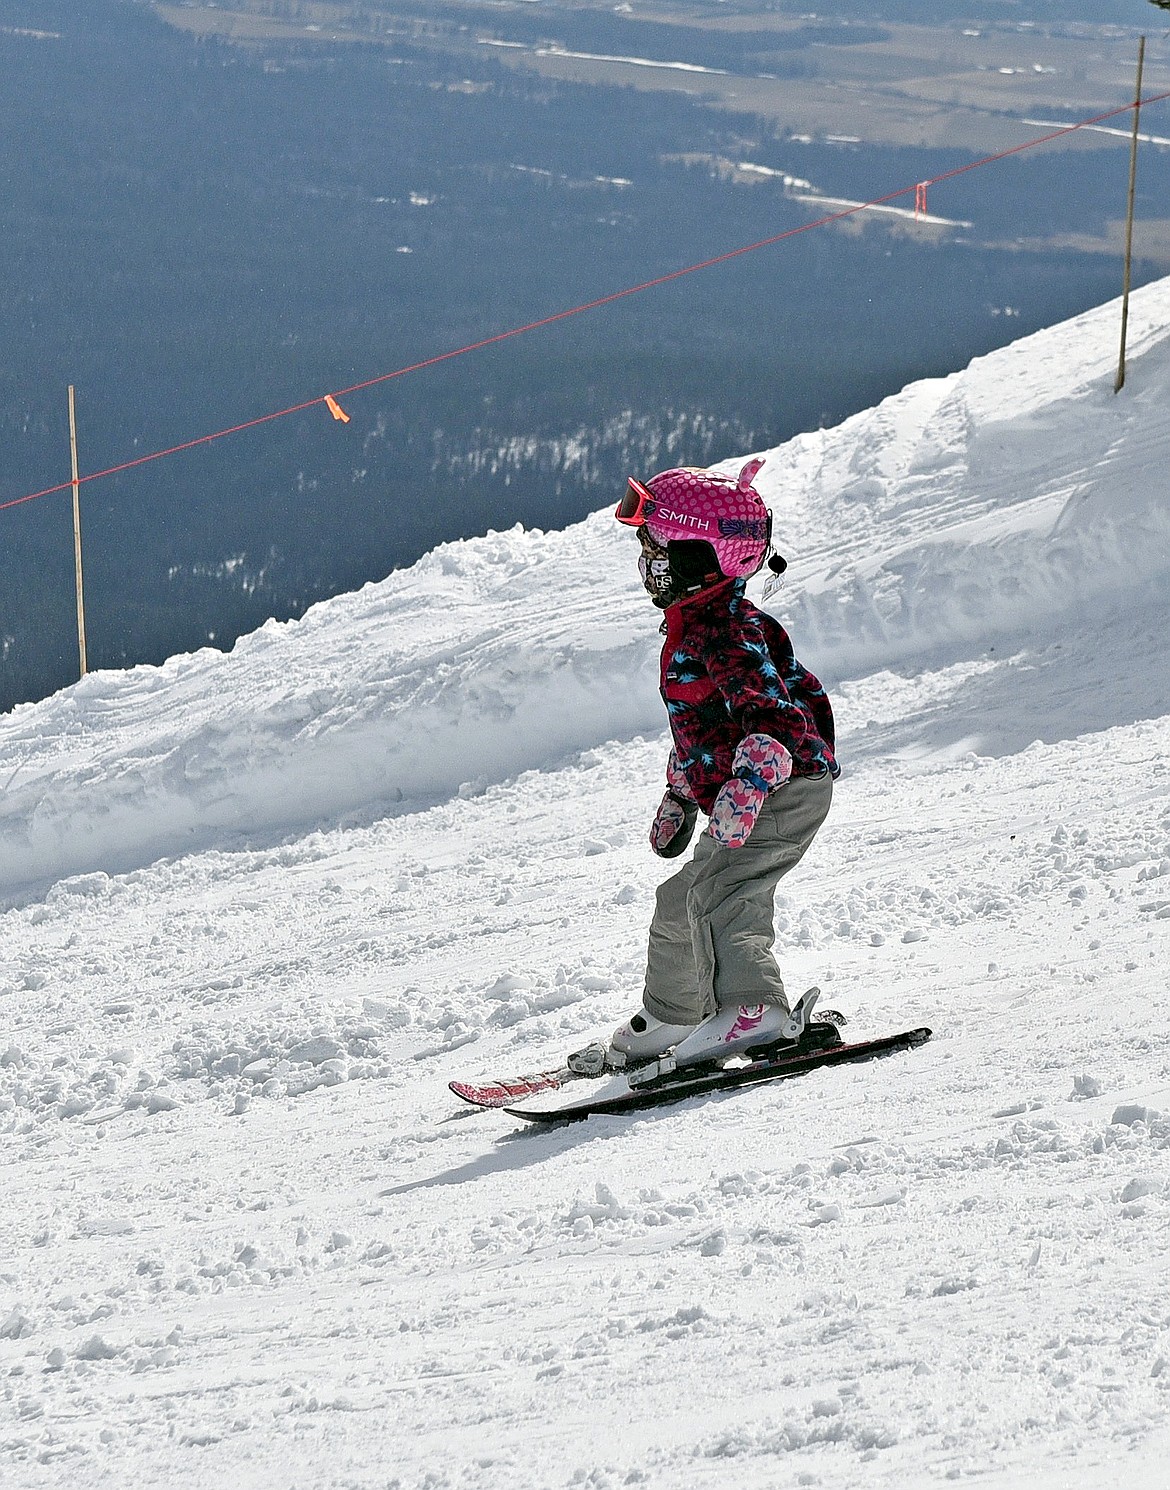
(247, 1238)
(968, 510)
(958, 515)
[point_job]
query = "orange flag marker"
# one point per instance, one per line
(335, 409)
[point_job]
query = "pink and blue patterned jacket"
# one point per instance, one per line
(728, 670)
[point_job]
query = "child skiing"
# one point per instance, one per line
(753, 749)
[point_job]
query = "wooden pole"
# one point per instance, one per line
(1119, 382)
(77, 532)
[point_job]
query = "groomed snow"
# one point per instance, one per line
(256, 910)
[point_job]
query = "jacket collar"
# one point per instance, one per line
(719, 598)
(715, 598)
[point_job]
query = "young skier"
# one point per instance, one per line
(753, 749)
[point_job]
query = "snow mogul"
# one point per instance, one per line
(753, 749)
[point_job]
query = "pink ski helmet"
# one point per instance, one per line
(689, 503)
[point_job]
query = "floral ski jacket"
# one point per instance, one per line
(728, 670)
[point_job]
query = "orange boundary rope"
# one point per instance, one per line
(330, 399)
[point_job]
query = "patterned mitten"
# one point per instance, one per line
(674, 822)
(761, 764)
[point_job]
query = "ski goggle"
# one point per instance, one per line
(636, 505)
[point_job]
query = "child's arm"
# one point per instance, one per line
(770, 725)
(743, 669)
(760, 765)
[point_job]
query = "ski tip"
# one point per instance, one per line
(481, 1095)
(500, 1091)
(466, 1092)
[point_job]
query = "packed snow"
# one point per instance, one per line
(256, 910)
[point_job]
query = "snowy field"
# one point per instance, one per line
(257, 910)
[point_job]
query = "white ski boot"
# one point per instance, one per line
(729, 1031)
(742, 1029)
(643, 1038)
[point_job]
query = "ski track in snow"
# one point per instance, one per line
(250, 1238)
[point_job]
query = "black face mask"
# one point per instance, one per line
(654, 567)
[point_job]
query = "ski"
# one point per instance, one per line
(501, 1090)
(594, 1061)
(615, 1094)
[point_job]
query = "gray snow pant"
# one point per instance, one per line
(712, 933)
